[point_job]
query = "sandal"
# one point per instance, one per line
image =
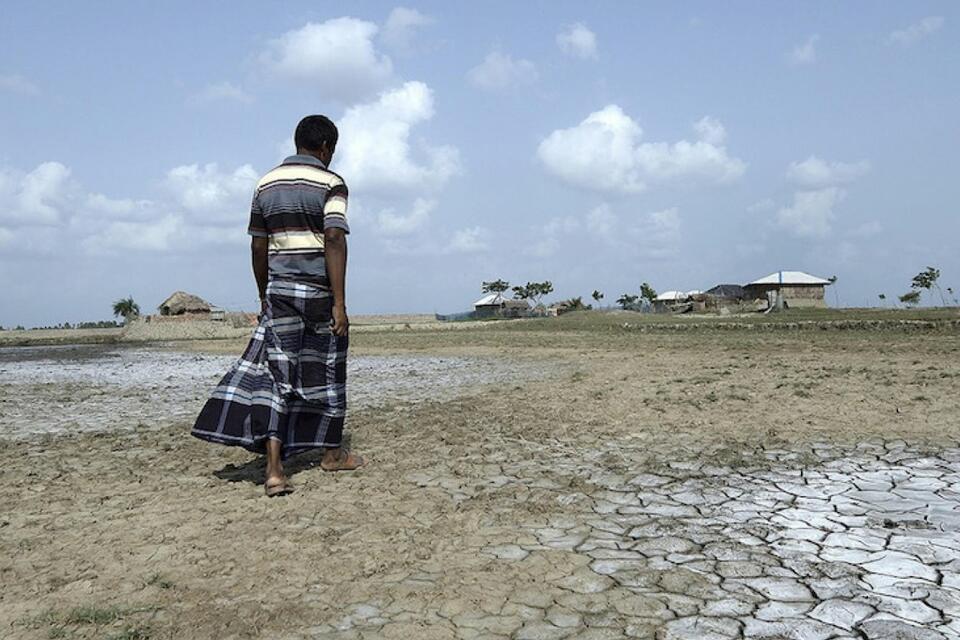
(278, 489)
(346, 461)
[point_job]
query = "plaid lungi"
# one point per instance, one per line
(291, 382)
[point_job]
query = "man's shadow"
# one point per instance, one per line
(252, 471)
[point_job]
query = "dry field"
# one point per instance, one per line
(663, 481)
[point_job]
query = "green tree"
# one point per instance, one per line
(126, 308)
(574, 304)
(597, 296)
(496, 286)
(647, 292)
(911, 298)
(627, 301)
(883, 299)
(534, 292)
(927, 279)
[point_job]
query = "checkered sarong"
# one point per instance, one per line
(291, 382)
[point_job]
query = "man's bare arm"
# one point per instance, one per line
(335, 250)
(258, 254)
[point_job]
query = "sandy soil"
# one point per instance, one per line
(703, 485)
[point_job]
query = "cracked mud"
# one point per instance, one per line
(614, 499)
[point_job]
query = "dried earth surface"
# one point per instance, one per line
(665, 485)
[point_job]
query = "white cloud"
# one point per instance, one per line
(402, 27)
(6, 237)
(578, 41)
(805, 53)
(469, 240)
(212, 194)
(811, 214)
(338, 55)
(154, 235)
(604, 153)
(35, 198)
(389, 223)
(916, 31)
(499, 71)
(710, 130)
(98, 204)
(15, 83)
(220, 92)
(815, 172)
(375, 152)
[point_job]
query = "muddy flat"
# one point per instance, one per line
(600, 482)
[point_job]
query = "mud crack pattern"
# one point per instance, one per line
(822, 543)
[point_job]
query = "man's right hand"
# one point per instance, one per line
(341, 324)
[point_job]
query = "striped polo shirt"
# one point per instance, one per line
(291, 207)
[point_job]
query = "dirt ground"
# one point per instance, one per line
(667, 484)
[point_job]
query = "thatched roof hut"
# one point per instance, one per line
(182, 302)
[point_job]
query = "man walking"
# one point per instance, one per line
(287, 393)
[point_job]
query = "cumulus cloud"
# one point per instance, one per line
(376, 153)
(211, 194)
(916, 31)
(815, 172)
(805, 53)
(710, 130)
(469, 240)
(499, 71)
(154, 235)
(402, 27)
(38, 197)
(604, 153)
(390, 223)
(15, 83)
(100, 205)
(44, 211)
(578, 41)
(338, 55)
(811, 214)
(220, 92)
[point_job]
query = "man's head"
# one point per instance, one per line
(317, 136)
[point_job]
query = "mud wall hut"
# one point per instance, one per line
(799, 289)
(182, 303)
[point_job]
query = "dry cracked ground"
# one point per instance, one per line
(786, 486)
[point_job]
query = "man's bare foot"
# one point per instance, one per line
(340, 459)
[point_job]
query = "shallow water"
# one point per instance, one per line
(79, 388)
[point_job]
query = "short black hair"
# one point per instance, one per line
(313, 131)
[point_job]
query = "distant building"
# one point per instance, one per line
(183, 303)
(494, 304)
(670, 301)
(799, 289)
(727, 292)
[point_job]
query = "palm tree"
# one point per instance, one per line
(597, 296)
(127, 308)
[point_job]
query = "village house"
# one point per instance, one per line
(187, 305)
(494, 304)
(798, 289)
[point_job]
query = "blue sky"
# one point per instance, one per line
(683, 145)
